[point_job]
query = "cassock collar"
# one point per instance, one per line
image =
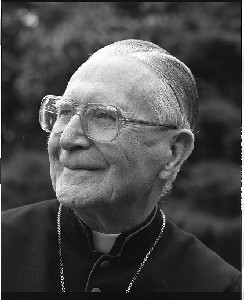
(132, 243)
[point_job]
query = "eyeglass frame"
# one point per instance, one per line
(121, 121)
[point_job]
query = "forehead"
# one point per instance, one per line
(121, 81)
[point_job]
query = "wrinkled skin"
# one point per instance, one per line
(112, 186)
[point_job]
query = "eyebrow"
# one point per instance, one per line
(85, 92)
(64, 101)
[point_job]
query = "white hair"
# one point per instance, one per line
(175, 99)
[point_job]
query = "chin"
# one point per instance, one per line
(76, 198)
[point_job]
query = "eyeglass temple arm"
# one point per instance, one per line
(145, 123)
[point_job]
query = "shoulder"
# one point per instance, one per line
(28, 245)
(198, 267)
(25, 219)
(21, 212)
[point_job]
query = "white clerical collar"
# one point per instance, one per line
(103, 242)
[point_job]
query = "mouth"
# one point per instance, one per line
(81, 163)
(82, 173)
(78, 165)
(83, 168)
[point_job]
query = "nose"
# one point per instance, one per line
(73, 135)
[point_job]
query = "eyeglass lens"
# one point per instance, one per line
(100, 123)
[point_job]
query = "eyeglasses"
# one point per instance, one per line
(99, 122)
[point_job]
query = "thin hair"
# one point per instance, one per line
(175, 99)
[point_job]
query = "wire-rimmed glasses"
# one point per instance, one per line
(101, 123)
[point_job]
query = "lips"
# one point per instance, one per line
(85, 168)
(77, 165)
(80, 162)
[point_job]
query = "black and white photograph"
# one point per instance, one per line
(121, 147)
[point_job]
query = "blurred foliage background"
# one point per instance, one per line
(44, 43)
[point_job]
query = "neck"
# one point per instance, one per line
(112, 221)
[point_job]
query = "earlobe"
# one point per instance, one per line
(182, 144)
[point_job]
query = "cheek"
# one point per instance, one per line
(146, 155)
(137, 146)
(54, 152)
(53, 146)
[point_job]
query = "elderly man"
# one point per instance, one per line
(118, 137)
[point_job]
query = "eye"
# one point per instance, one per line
(103, 115)
(64, 112)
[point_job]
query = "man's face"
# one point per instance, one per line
(124, 172)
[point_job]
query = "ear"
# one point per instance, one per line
(181, 146)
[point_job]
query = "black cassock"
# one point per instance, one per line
(178, 263)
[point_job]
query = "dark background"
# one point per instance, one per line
(44, 43)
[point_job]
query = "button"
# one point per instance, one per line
(105, 265)
(95, 290)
